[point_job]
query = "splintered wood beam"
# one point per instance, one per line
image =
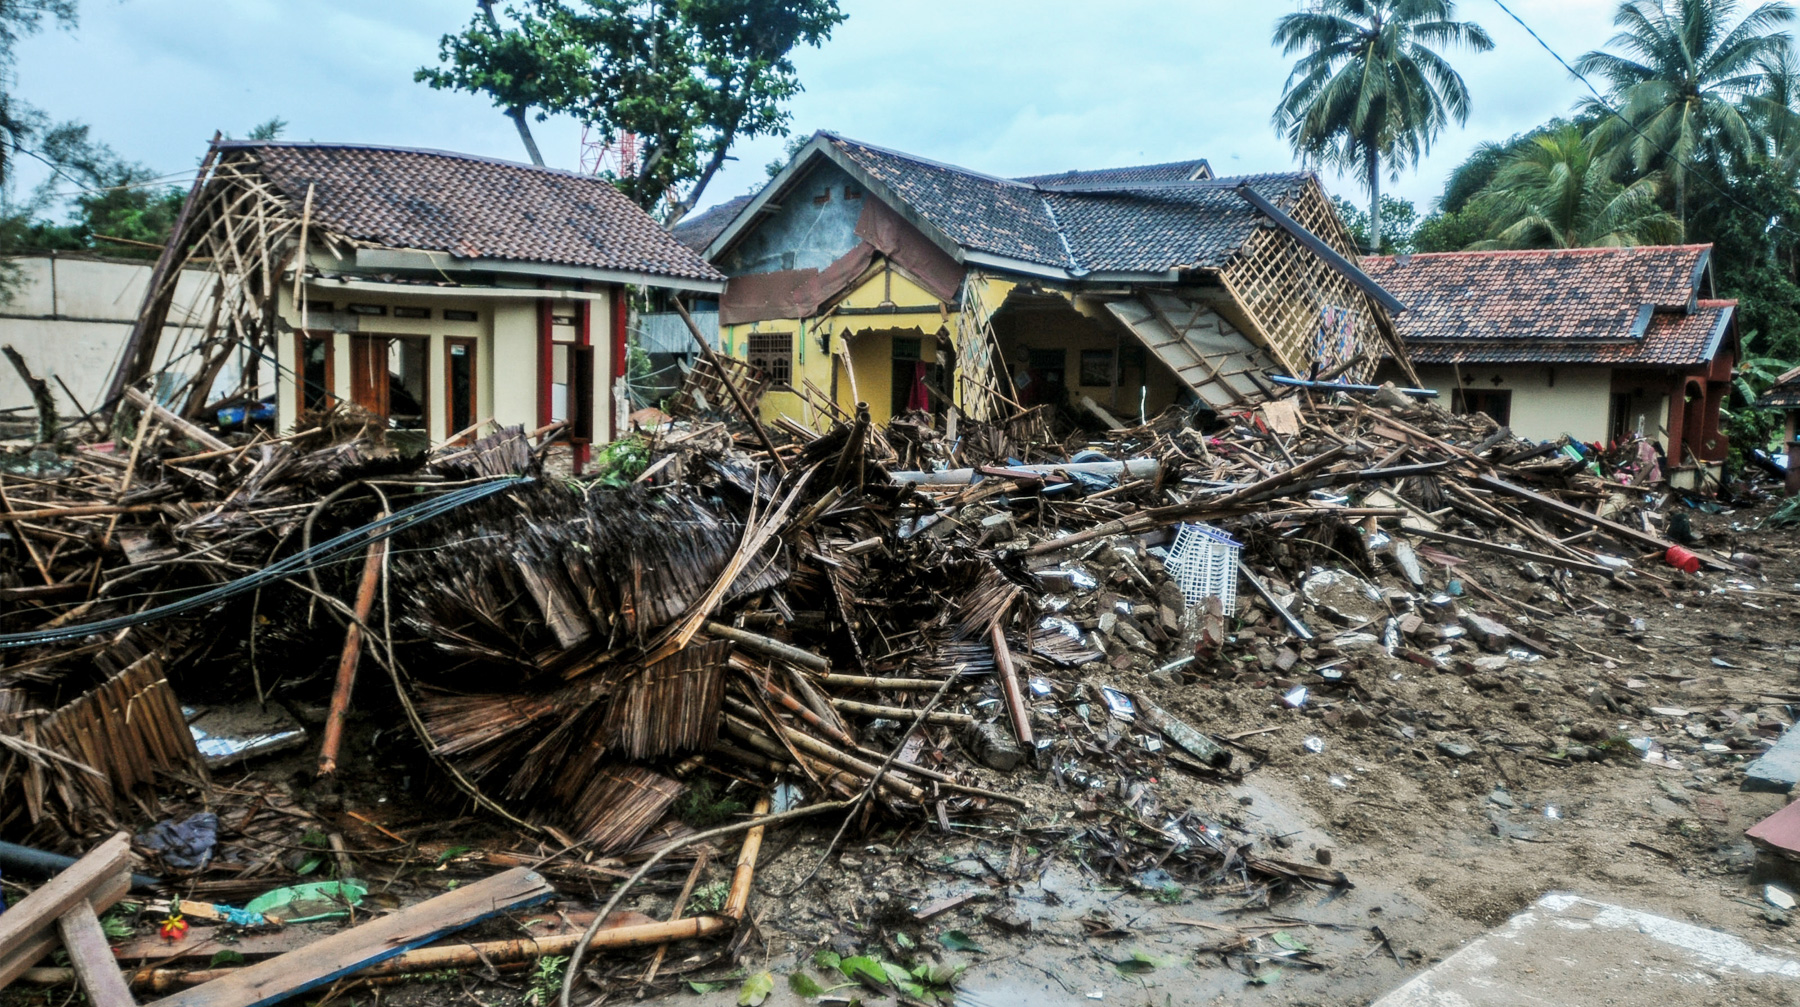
(1576, 513)
(737, 396)
(1009, 685)
(71, 888)
(92, 958)
(350, 951)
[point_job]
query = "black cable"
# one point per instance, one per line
(1600, 100)
(323, 554)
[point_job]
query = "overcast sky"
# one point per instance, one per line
(1005, 86)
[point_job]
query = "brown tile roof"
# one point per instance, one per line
(473, 207)
(1784, 394)
(1620, 306)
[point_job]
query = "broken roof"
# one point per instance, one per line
(473, 207)
(1151, 219)
(1620, 306)
(698, 231)
(1784, 394)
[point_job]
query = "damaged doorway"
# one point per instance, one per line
(389, 376)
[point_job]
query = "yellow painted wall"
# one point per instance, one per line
(866, 338)
(1081, 328)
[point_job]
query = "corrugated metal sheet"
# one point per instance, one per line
(1214, 360)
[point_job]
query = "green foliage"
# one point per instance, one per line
(1447, 231)
(756, 989)
(621, 462)
(117, 924)
(687, 78)
(710, 897)
(957, 940)
(704, 804)
(223, 958)
(1553, 191)
(787, 154)
(804, 985)
(546, 980)
(1679, 77)
(1399, 221)
(1368, 85)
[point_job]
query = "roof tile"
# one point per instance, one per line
(474, 207)
(1554, 306)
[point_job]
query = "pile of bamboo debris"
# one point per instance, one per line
(905, 614)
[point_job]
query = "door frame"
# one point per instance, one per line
(474, 403)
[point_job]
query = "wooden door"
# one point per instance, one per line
(369, 373)
(460, 387)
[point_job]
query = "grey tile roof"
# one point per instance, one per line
(699, 230)
(1174, 171)
(472, 207)
(1168, 224)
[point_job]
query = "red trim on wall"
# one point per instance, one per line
(584, 336)
(546, 367)
(621, 320)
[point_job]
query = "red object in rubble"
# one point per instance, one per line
(1682, 560)
(173, 928)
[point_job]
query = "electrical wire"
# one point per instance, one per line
(324, 554)
(1600, 100)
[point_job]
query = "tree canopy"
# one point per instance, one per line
(1369, 86)
(686, 78)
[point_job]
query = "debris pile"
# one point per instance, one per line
(950, 621)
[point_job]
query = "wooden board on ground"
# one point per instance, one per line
(16, 959)
(39, 910)
(359, 947)
(92, 960)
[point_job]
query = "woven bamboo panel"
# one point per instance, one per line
(1290, 291)
(975, 353)
(619, 804)
(672, 706)
(129, 730)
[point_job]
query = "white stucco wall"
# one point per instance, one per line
(1547, 402)
(71, 315)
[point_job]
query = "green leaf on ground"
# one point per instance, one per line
(956, 940)
(226, 958)
(1289, 941)
(756, 989)
(804, 985)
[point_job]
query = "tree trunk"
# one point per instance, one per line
(517, 115)
(1374, 201)
(684, 207)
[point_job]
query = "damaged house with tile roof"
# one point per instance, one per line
(1784, 395)
(866, 275)
(1600, 344)
(435, 290)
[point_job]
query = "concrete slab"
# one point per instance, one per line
(1567, 951)
(1778, 769)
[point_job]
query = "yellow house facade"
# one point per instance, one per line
(865, 275)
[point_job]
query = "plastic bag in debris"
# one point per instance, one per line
(1785, 515)
(186, 845)
(1092, 482)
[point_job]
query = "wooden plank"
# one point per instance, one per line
(1506, 550)
(1576, 513)
(357, 948)
(92, 959)
(15, 959)
(176, 423)
(40, 910)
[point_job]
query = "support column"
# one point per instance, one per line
(546, 366)
(584, 322)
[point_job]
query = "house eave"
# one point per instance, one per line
(423, 260)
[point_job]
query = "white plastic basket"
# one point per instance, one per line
(1204, 563)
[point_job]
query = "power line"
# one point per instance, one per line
(1600, 100)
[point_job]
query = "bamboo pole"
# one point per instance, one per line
(902, 713)
(739, 898)
(352, 655)
(1009, 685)
(737, 395)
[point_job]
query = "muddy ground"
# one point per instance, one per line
(1450, 797)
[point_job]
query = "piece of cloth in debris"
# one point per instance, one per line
(187, 845)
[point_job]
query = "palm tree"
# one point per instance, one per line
(1682, 81)
(1554, 192)
(1368, 86)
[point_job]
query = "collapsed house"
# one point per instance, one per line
(866, 275)
(435, 290)
(1600, 344)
